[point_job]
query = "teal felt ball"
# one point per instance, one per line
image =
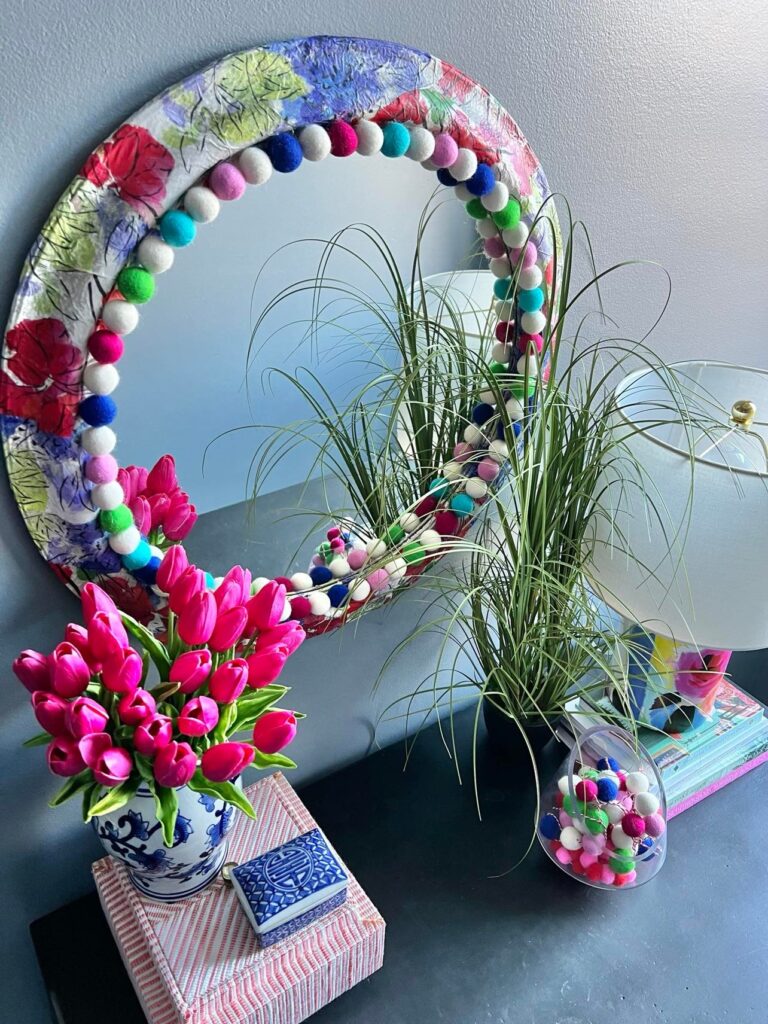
(177, 228)
(531, 300)
(439, 487)
(503, 288)
(397, 139)
(462, 505)
(138, 558)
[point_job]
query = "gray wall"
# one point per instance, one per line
(650, 117)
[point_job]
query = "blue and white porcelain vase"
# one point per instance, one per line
(134, 836)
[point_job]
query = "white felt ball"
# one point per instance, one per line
(506, 310)
(255, 166)
(409, 521)
(126, 541)
(465, 165)
(98, 440)
(107, 496)
(430, 540)
(473, 434)
(202, 204)
(615, 813)
(360, 591)
(517, 236)
(429, 165)
(370, 137)
(422, 144)
(155, 255)
(339, 568)
(498, 451)
(529, 277)
(497, 198)
(258, 584)
(319, 602)
(500, 267)
(396, 569)
(501, 353)
(156, 552)
(580, 825)
(533, 323)
(606, 773)
(646, 803)
(301, 581)
(101, 378)
(287, 611)
(637, 782)
(476, 488)
(486, 228)
(514, 409)
(452, 471)
(463, 194)
(315, 142)
(570, 838)
(120, 317)
(528, 365)
(376, 548)
(620, 839)
(563, 784)
(488, 397)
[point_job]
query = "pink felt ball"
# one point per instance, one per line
(625, 879)
(495, 248)
(488, 470)
(565, 819)
(504, 330)
(586, 789)
(576, 866)
(357, 558)
(633, 824)
(337, 544)
(593, 844)
(655, 825)
(105, 346)
(532, 341)
(622, 780)
(445, 151)
(594, 872)
(378, 579)
(462, 451)
(318, 560)
(226, 181)
(607, 876)
(563, 855)
(587, 859)
(530, 255)
(300, 608)
(343, 138)
(626, 803)
(101, 469)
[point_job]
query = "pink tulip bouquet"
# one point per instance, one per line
(166, 715)
(161, 510)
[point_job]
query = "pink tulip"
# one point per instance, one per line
(174, 764)
(265, 666)
(174, 563)
(142, 514)
(179, 520)
(159, 505)
(266, 608)
(33, 670)
(229, 680)
(198, 717)
(84, 716)
(161, 479)
(274, 730)
(198, 619)
(50, 711)
(93, 745)
(153, 734)
(122, 672)
(94, 599)
(190, 670)
(63, 756)
(71, 674)
(135, 707)
(291, 634)
(78, 636)
(133, 480)
(234, 589)
(106, 635)
(229, 628)
(224, 761)
(110, 765)
(190, 582)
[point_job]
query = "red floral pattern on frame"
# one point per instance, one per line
(42, 380)
(134, 164)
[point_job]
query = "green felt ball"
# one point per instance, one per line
(114, 520)
(476, 209)
(325, 549)
(509, 217)
(395, 533)
(413, 552)
(585, 773)
(621, 863)
(497, 368)
(521, 389)
(573, 806)
(396, 139)
(596, 820)
(136, 284)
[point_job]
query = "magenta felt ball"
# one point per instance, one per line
(530, 255)
(300, 608)
(343, 138)
(633, 824)
(105, 346)
(446, 522)
(488, 470)
(445, 151)
(494, 247)
(586, 790)
(654, 825)
(531, 340)
(462, 451)
(226, 182)
(101, 469)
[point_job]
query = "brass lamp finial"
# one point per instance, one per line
(743, 413)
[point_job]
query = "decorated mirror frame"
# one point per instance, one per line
(147, 191)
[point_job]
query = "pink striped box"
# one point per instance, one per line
(198, 962)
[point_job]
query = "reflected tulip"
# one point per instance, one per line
(133, 480)
(71, 674)
(274, 730)
(229, 628)
(85, 716)
(159, 504)
(226, 760)
(153, 734)
(122, 672)
(162, 479)
(93, 599)
(135, 707)
(265, 666)
(33, 670)
(197, 619)
(190, 670)
(64, 757)
(291, 634)
(142, 514)
(174, 764)
(198, 717)
(50, 711)
(106, 635)
(229, 680)
(179, 520)
(266, 608)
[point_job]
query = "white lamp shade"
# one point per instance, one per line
(681, 546)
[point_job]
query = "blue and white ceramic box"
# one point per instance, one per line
(291, 886)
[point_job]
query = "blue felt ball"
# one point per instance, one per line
(148, 574)
(482, 413)
(608, 764)
(284, 150)
(531, 300)
(503, 288)
(549, 827)
(517, 428)
(320, 574)
(482, 181)
(645, 846)
(462, 505)
(337, 594)
(97, 410)
(139, 557)
(445, 177)
(177, 228)
(607, 790)
(397, 139)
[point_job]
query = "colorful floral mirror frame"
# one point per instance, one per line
(150, 189)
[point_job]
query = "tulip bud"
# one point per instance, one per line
(78, 636)
(161, 479)
(85, 716)
(122, 672)
(92, 745)
(135, 707)
(274, 730)
(225, 761)
(174, 563)
(198, 717)
(234, 589)
(197, 619)
(110, 765)
(228, 629)
(64, 757)
(50, 711)
(142, 514)
(33, 670)
(265, 608)
(133, 480)
(291, 634)
(190, 582)
(174, 764)
(159, 505)
(190, 670)
(152, 734)
(71, 674)
(179, 520)
(106, 635)
(265, 666)
(229, 680)
(94, 599)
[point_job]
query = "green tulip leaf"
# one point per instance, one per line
(272, 761)
(150, 643)
(167, 808)
(114, 798)
(222, 791)
(41, 740)
(70, 787)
